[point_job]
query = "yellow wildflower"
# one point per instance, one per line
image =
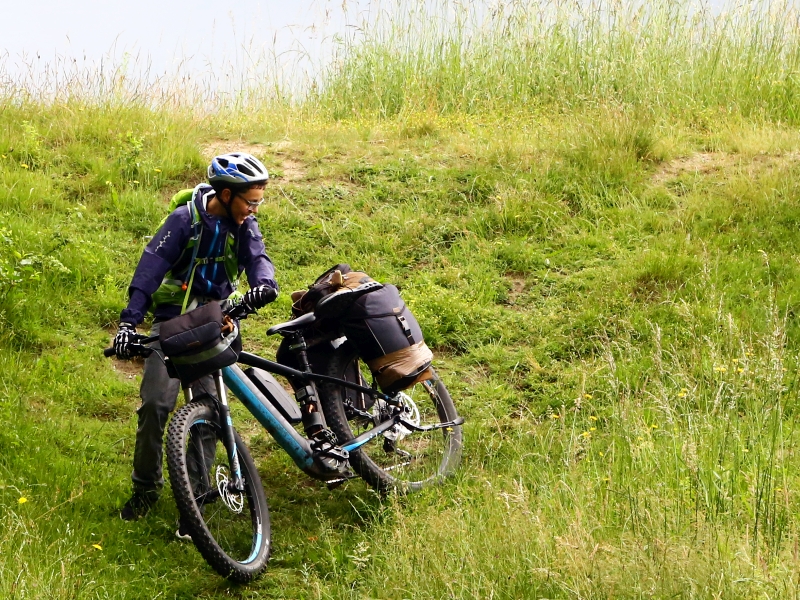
(22, 500)
(588, 396)
(24, 166)
(98, 546)
(593, 418)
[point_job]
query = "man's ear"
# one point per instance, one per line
(225, 196)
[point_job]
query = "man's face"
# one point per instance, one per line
(245, 203)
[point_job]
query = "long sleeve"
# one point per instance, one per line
(253, 256)
(158, 257)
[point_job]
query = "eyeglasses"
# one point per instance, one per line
(253, 205)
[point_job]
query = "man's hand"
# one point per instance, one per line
(126, 335)
(259, 296)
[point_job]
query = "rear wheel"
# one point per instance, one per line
(230, 528)
(400, 459)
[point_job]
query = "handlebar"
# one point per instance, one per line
(237, 311)
(138, 346)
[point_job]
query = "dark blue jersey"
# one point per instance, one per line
(167, 247)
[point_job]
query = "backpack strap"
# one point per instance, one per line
(197, 229)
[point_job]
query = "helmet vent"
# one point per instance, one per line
(253, 164)
(223, 162)
(246, 170)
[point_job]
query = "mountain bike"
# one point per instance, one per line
(401, 442)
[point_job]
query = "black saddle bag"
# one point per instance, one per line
(388, 339)
(199, 342)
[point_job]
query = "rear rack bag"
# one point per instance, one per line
(388, 339)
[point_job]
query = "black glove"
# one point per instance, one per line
(126, 335)
(259, 296)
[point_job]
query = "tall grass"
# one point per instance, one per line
(661, 56)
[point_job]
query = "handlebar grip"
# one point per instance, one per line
(272, 294)
(109, 352)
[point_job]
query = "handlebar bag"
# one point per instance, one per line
(388, 339)
(199, 342)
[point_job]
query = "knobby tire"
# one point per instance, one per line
(235, 544)
(373, 462)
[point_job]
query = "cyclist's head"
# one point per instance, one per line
(243, 175)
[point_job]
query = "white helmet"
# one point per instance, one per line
(237, 168)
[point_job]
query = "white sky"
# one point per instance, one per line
(167, 36)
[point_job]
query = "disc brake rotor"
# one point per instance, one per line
(398, 432)
(234, 501)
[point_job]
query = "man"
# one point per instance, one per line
(196, 257)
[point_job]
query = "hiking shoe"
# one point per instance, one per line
(138, 505)
(182, 533)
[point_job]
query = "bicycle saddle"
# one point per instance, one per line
(294, 325)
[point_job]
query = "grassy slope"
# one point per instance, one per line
(613, 311)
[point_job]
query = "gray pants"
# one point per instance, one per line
(159, 394)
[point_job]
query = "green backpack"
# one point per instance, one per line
(176, 288)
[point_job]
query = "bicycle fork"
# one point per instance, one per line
(228, 439)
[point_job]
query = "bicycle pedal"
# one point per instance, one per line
(331, 451)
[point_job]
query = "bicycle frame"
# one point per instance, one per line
(294, 444)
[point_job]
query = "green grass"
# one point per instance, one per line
(605, 266)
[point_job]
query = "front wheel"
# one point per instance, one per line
(400, 459)
(230, 528)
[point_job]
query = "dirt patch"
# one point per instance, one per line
(518, 285)
(217, 147)
(128, 369)
(292, 170)
(707, 163)
(701, 163)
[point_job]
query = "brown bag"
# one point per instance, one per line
(334, 279)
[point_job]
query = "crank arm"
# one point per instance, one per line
(335, 452)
